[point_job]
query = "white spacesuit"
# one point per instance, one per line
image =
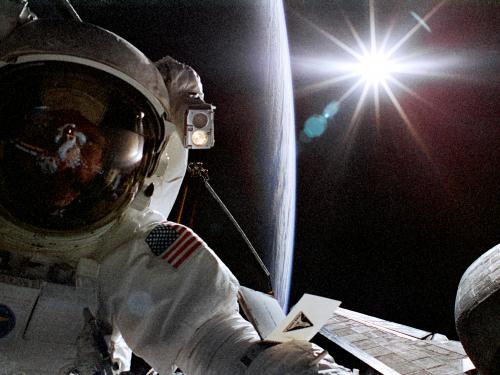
(92, 153)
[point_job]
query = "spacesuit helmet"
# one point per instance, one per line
(84, 130)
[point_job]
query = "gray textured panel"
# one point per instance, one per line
(394, 349)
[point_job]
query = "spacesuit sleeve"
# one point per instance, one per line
(174, 303)
(159, 290)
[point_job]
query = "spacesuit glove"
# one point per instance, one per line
(295, 358)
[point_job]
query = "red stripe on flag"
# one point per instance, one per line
(180, 249)
(183, 247)
(187, 255)
(176, 245)
(183, 235)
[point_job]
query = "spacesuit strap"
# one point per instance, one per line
(99, 342)
(221, 346)
(86, 278)
(12, 14)
(87, 274)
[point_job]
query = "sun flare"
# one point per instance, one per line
(378, 68)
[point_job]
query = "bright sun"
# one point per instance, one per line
(375, 68)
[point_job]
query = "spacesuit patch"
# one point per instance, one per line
(174, 243)
(7, 321)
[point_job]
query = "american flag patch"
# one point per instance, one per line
(173, 242)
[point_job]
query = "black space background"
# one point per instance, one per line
(380, 225)
(391, 229)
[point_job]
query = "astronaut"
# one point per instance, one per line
(93, 149)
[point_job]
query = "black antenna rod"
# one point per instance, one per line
(197, 170)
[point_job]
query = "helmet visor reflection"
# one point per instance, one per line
(75, 145)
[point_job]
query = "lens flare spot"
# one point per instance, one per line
(139, 303)
(315, 126)
(331, 109)
(421, 21)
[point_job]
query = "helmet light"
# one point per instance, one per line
(200, 138)
(199, 126)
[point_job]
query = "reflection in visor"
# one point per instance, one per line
(74, 145)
